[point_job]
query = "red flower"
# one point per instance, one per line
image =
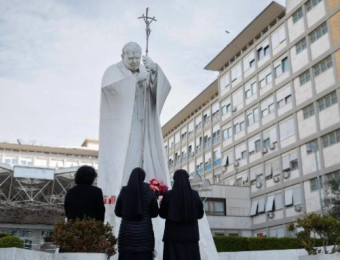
(158, 187)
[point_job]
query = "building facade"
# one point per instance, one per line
(33, 184)
(272, 117)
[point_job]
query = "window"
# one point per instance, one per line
(257, 146)
(227, 133)
(263, 50)
(282, 67)
(314, 144)
(286, 128)
(226, 109)
(250, 89)
(308, 111)
(318, 32)
(311, 4)
(215, 207)
(301, 45)
(266, 143)
(293, 197)
(304, 77)
(314, 184)
(331, 138)
(267, 106)
(253, 116)
(327, 101)
(265, 77)
(244, 155)
(278, 37)
(297, 15)
(249, 61)
(333, 176)
(236, 72)
(224, 81)
(323, 66)
(284, 96)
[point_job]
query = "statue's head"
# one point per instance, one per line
(131, 55)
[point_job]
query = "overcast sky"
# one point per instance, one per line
(53, 54)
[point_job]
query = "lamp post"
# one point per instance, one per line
(312, 147)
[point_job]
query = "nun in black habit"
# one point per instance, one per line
(181, 207)
(136, 205)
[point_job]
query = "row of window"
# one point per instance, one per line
(41, 162)
(309, 6)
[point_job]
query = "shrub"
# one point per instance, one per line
(88, 236)
(3, 235)
(271, 243)
(231, 244)
(234, 244)
(11, 241)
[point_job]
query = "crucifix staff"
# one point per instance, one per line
(148, 20)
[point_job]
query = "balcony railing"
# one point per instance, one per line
(216, 139)
(217, 162)
(184, 159)
(207, 145)
(207, 167)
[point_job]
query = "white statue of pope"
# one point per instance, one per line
(132, 98)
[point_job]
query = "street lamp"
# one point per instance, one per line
(313, 147)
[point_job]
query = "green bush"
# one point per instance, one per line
(3, 235)
(11, 241)
(87, 236)
(235, 244)
(271, 243)
(231, 244)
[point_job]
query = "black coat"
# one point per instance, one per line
(84, 200)
(181, 231)
(136, 235)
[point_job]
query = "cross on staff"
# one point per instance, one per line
(148, 20)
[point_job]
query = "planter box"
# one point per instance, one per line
(320, 257)
(80, 256)
(23, 254)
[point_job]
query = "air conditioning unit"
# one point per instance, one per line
(234, 109)
(264, 150)
(286, 175)
(272, 147)
(270, 215)
(259, 185)
(236, 164)
(276, 178)
(298, 207)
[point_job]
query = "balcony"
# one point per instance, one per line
(207, 167)
(207, 145)
(216, 139)
(217, 162)
(184, 159)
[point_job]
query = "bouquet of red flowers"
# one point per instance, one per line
(158, 187)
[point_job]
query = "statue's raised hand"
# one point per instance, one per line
(149, 64)
(143, 75)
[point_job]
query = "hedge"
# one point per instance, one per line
(234, 244)
(11, 241)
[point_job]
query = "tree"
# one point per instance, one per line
(332, 200)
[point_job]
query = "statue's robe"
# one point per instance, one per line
(121, 140)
